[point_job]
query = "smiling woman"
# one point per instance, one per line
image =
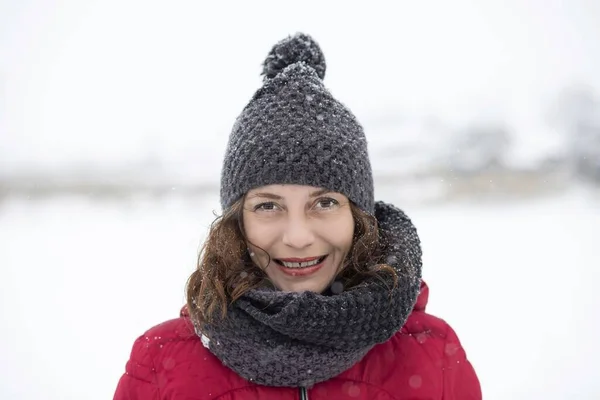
(240, 240)
(305, 287)
(300, 237)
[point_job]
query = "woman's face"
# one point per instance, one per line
(306, 232)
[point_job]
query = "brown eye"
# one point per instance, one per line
(326, 203)
(268, 206)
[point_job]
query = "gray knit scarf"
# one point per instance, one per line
(277, 338)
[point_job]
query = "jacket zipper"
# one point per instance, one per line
(303, 394)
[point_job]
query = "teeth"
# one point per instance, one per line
(302, 264)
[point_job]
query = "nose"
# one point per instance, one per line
(297, 232)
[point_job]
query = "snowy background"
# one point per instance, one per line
(483, 125)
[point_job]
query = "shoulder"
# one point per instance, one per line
(148, 347)
(425, 358)
(425, 338)
(174, 330)
(160, 340)
(172, 356)
(411, 361)
(421, 323)
(422, 333)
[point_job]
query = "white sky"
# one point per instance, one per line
(110, 81)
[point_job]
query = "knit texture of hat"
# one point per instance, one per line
(293, 131)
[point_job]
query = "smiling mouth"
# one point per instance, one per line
(300, 262)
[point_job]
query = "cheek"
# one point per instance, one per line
(342, 233)
(259, 233)
(251, 228)
(348, 238)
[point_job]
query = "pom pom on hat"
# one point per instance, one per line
(293, 49)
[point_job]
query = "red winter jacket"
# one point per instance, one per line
(424, 360)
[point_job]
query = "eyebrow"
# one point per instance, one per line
(320, 192)
(272, 196)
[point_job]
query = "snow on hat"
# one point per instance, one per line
(293, 131)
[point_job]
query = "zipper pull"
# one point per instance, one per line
(303, 393)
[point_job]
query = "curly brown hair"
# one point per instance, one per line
(225, 271)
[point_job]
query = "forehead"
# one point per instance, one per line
(289, 191)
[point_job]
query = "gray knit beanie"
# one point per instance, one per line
(294, 132)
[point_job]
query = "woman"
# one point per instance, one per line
(306, 288)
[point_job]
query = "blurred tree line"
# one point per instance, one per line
(574, 113)
(578, 116)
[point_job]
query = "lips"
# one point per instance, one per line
(300, 262)
(300, 267)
